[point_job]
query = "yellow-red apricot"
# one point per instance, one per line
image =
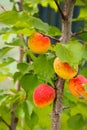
(76, 86)
(39, 43)
(63, 69)
(43, 95)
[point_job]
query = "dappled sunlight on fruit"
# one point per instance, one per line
(77, 86)
(38, 43)
(63, 69)
(43, 95)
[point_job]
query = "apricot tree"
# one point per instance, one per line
(48, 68)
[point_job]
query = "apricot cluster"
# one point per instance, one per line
(76, 84)
(44, 94)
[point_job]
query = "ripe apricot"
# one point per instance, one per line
(76, 86)
(63, 69)
(43, 95)
(39, 43)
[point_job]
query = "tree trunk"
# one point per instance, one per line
(66, 35)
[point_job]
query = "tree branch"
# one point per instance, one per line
(57, 40)
(78, 33)
(60, 10)
(67, 24)
(4, 122)
(14, 119)
(66, 35)
(57, 107)
(2, 7)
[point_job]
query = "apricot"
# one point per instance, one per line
(39, 43)
(43, 95)
(63, 69)
(77, 86)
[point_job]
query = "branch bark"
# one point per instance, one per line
(60, 10)
(67, 24)
(79, 33)
(2, 7)
(66, 35)
(14, 119)
(4, 122)
(57, 107)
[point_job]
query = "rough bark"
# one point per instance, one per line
(66, 35)
(57, 107)
(67, 24)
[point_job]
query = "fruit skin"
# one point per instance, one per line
(43, 95)
(76, 86)
(63, 69)
(38, 43)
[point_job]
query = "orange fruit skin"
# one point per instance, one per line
(43, 95)
(63, 69)
(76, 86)
(38, 43)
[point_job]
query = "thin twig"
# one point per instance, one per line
(66, 107)
(4, 122)
(60, 10)
(2, 7)
(58, 40)
(14, 119)
(78, 33)
(74, 1)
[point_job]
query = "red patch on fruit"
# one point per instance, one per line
(43, 95)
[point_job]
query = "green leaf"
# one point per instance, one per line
(53, 31)
(32, 121)
(28, 105)
(4, 50)
(43, 67)
(17, 76)
(72, 52)
(29, 52)
(76, 122)
(84, 71)
(16, 42)
(4, 30)
(85, 53)
(29, 82)
(25, 24)
(83, 14)
(63, 53)
(7, 61)
(11, 17)
(23, 67)
(31, 118)
(43, 27)
(81, 2)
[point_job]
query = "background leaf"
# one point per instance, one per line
(75, 122)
